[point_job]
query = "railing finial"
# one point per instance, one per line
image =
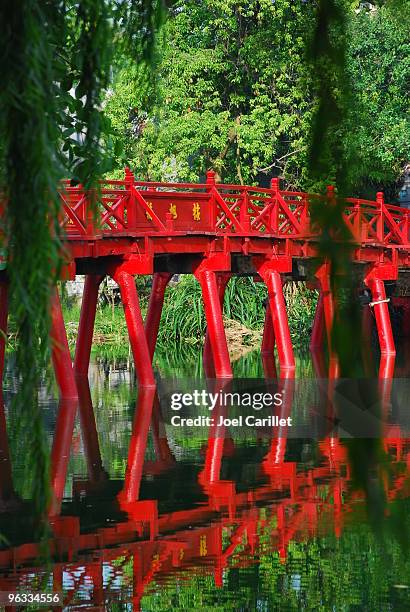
(275, 184)
(210, 177)
(129, 176)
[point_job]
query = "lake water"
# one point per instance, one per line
(146, 517)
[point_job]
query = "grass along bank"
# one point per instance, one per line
(183, 321)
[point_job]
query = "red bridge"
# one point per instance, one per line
(215, 231)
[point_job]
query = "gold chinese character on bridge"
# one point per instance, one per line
(203, 551)
(196, 211)
(147, 213)
(173, 210)
(156, 563)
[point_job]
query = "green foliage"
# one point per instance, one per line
(327, 55)
(232, 93)
(30, 170)
(238, 92)
(378, 125)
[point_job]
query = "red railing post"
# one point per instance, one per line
(129, 181)
(331, 193)
(274, 217)
(210, 182)
(357, 221)
(210, 177)
(380, 220)
(243, 211)
(90, 210)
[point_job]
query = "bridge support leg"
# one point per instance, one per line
(222, 279)
(135, 324)
(63, 367)
(160, 281)
(280, 320)
(268, 338)
(316, 339)
(269, 271)
(86, 325)
(4, 310)
(328, 303)
(381, 312)
(213, 314)
(323, 275)
(374, 280)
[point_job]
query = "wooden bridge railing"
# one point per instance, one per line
(131, 207)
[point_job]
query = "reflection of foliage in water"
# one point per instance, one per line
(321, 573)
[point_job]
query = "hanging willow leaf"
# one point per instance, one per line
(56, 62)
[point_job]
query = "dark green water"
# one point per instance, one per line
(147, 521)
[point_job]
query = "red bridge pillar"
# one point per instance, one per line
(205, 273)
(160, 281)
(86, 325)
(270, 272)
(268, 338)
(326, 301)
(316, 340)
(222, 280)
(135, 324)
(374, 279)
(63, 367)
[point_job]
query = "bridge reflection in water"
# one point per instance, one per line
(213, 512)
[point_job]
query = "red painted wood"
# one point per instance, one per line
(86, 324)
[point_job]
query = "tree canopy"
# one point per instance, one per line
(236, 91)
